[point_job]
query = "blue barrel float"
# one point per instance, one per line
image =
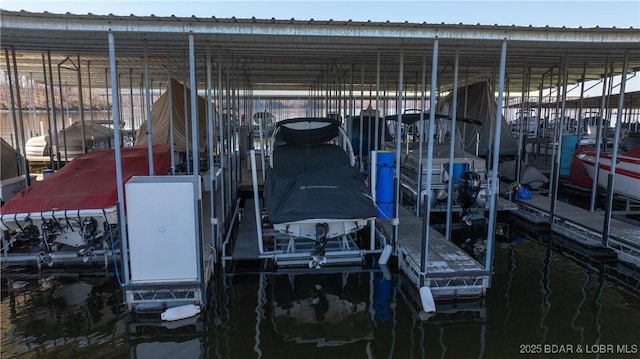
(384, 184)
(569, 143)
(458, 168)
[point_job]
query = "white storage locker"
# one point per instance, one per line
(163, 229)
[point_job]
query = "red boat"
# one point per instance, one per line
(77, 205)
(627, 173)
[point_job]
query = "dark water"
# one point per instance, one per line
(542, 300)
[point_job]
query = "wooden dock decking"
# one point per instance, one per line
(450, 272)
(584, 226)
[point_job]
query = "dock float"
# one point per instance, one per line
(584, 226)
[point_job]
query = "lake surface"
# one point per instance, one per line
(543, 302)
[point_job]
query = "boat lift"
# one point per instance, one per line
(287, 250)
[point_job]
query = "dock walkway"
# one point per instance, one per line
(584, 226)
(451, 272)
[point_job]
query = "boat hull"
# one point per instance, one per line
(307, 229)
(627, 172)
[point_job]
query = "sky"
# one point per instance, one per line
(569, 13)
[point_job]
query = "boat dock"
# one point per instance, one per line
(261, 242)
(584, 226)
(170, 243)
(450, 273)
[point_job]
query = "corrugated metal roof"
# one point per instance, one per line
(273, 53)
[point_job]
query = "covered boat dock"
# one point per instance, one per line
(321, 68)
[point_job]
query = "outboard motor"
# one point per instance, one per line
(89, 228)
(468, 189)
(318, 258)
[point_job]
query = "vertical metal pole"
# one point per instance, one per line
(579, 116)
(539, 129)
(46, 94)
(223, 166)
(185, 116)
(396, 204)
(90, 100)
(124, 249)
(194, 107)
(53, 112)
(64, 125)
(143, 108)
(13, 104)
(361, 132)
(210, 139)
(171, 129)
(555, 175)
(256, 201)
(452, 146)
(106, 85)
(81, 108)
(351, 100)
(524, 123)
(20, 119)
(554, 139)
(32, 98)
(614, 156)
(147, 92)
(464, 113)
(599, 137)
(131, 107)
(228, 138)
(427, 201)
(494, 166)
(373, 183)
(421, 138)
(377, 124)
(261, 121)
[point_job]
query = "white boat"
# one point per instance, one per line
(97, 137)
(627, 175)
(313, 188)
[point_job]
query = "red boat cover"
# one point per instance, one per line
(88, 181)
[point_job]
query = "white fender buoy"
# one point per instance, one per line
(386, 272)
(385, 255)
(424, 316)
(426, 298)
(181, 312)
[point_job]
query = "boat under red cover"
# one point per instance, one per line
(86, 183)
(627, 176)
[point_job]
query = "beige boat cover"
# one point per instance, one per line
(480, 105)
(160, 124)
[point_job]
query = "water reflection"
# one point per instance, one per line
(539, 295)
(51, 315)
(185, 338)
(326, 310)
